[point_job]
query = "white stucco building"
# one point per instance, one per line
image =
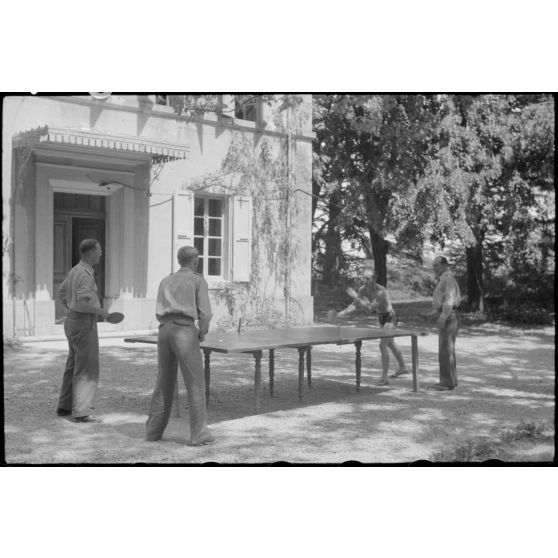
(129, 171)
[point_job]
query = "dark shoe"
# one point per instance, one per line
(152, 438)
(63, 412)
(439, 387)
(89, 418)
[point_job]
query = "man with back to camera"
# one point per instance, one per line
(78, 293)
(183, 297)
(445, 301)
(374, 298)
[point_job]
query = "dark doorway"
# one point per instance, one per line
(76, 217)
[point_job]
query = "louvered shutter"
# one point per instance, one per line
(242, 238)
(183, 219)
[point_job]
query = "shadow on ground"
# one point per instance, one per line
(505, 376)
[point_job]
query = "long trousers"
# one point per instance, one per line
(446, 350)
(178, 344)
(81, 376)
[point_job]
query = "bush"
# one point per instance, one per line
(12, 343)
(522, 313)
(497, 447)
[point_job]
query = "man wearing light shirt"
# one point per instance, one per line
(78, 293)
(446, 300)
(182, 299)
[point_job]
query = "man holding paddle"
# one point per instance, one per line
(374, 298)
(78, 293)
(183, 298)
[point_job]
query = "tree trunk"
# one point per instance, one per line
(333, 253)
(475, 285)
(379, 250)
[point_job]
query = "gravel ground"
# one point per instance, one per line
(506, 375)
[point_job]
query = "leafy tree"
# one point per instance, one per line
(495, 153)
(375, 148)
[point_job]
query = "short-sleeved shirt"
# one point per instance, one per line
(78, 285)
(185, 292)
(446, 293)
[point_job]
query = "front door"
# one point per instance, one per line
(62, 257)
(90, 228)
(76, 217)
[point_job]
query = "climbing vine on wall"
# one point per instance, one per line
(262, 173)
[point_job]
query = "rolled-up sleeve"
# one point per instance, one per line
(203, 306)
(86, 288)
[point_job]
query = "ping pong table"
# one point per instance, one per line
(301, 338)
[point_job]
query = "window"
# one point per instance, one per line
(208, 235)
(162, 100)
(220, 227)
(246, 107)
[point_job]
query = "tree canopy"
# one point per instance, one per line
(472, 169)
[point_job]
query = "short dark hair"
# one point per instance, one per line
(87, 245)
(187, 254)
(442, 259)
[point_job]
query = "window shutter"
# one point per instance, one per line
(183, 219)
(227, 105)
(242, 238)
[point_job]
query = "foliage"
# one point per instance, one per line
(261, 171)
(12, 343)
(499, 446)
(496, 158)
(523, 313)
(473, 171)
(252, 311)
(196, 107)
(373, 149)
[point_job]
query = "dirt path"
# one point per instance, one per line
(506, 375)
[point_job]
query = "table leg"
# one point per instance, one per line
(309, 365)
(414, 353)
(271, 371)
(207, 373)
(358, 345)
(301, 353)
(257, 378)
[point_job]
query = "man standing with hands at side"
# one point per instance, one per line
(445, 302)
(183, 297)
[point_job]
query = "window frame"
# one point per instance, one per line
(257, 108)
(225, 236)
(165, 104)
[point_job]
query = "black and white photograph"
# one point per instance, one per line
(285, 286)
(262, 278)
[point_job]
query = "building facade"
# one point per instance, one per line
(145, 179)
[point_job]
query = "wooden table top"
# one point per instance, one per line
(264, 339)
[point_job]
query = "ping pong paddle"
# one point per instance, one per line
(331, 316)
(115, 317)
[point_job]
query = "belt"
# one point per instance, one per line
(76, 314)
(175, 316)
